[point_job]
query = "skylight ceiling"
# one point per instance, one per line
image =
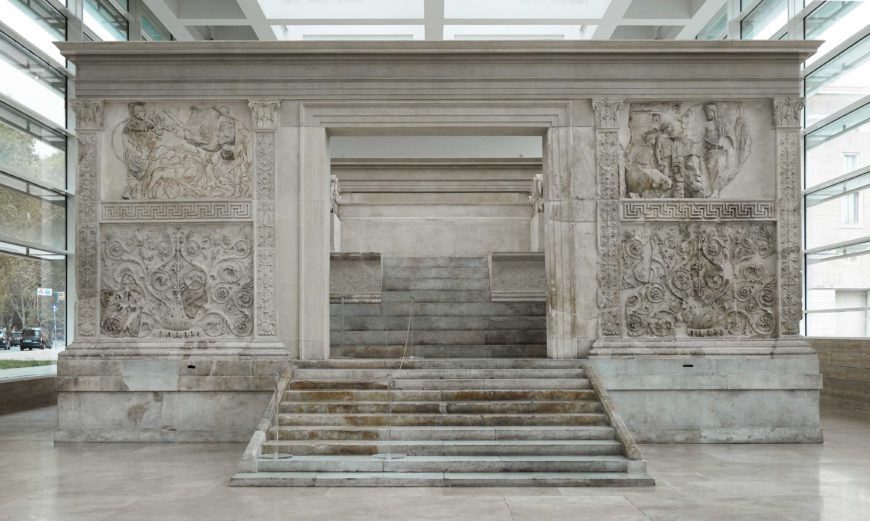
(434, 19)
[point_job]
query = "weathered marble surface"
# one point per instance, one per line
(179, 138)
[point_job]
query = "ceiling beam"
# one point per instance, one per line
(447, 21)
(433, 19)
(254, 13)
(169, 20)
(612, 18)
(702, 17)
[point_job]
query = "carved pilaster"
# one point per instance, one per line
(609, 161)
(787, 121)
(787, 112)
(606, 112)
(89, 114)
(264, 113)
(86, 236)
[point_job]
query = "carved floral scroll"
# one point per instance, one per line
(699, 280)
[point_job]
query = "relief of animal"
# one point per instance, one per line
(645, 182)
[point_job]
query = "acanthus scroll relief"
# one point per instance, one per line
(174, 151)
(168, 281)
(685, 151)
(699, 280)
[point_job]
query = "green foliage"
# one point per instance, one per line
(17, 364)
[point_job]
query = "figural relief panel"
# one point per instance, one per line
(699, 280)
(169, 281)
(698, 150)
(167, 150)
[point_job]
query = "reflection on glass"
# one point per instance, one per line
(30, 149)
(26, 306)
(152, 29)
(715, 28)
(838, 219)
(31, 81)
(833, 22)
(823, 194)
(762, 22)
(38, 22)
(107, 23)
(852, 324)
(32, 215)
(839, 82)
(827, 147)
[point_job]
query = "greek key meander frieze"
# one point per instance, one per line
(699, 280)
(265, 192)
(176, 151)
(685, 150)
(173, 281)
(166, 211)
(697, 210)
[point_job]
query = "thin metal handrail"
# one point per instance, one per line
(391, 383)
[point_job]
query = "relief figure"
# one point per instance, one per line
(199, 152)
(699, 149)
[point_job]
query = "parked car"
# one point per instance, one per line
(15, 339)
(4, 344)
(33, 337)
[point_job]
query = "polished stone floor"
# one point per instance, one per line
(40, 481)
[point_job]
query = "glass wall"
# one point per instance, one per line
(35, 184)
(836, 139)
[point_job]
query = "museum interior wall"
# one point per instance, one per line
(669, 201)
(413, 207)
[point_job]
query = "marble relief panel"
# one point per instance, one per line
(698, 149)
(174, 150)
(699, 279)
(177, 281)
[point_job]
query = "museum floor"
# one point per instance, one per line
(120, 482)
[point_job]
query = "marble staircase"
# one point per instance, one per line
(456, 422)
(453, 315)
(461, 389)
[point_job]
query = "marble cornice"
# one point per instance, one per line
(802, 48)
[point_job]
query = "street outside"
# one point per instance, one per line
(15, 353)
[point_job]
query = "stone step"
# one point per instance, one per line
(436, 296)
(465, 384)
(466, 337)
(435, 352)
(437, 479)
(435, 309)
(435, 284)
(435, 262)
(447, 448)
(440, 363)
(434, 407)
(446, 433)
(328, 463)
(430, 373)
(455, 395)
(431, 272)
(315, 419)
(444, 323)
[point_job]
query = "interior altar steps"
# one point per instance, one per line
(453, 315)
